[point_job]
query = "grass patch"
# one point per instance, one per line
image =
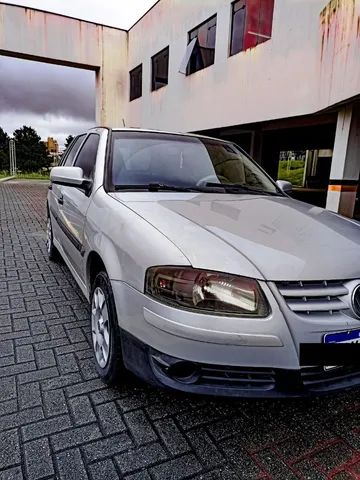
(292, 171)
(4, 174)
(27, 176)
(33, 176)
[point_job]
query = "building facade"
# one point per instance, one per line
(52, 146)
(279, 77)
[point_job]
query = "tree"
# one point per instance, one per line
(68, 140)
(31, 154)
(4, 150)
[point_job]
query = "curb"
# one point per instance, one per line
(6, 179)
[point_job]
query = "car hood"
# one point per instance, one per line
(274, 238)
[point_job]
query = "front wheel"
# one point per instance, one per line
(50, 247)
(105, 331)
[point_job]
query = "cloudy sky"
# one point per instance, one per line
(56, 100)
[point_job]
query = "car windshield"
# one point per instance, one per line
(161, 160)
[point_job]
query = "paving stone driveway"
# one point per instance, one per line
(57, 420)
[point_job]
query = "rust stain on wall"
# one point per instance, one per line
(28, 14)
(336, 20)
(339, 37)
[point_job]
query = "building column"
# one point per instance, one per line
(111, 79)
(345, 166)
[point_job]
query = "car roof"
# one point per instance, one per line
(182, 134)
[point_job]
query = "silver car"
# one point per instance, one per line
(203, 275)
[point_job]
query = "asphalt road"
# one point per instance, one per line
(58, 420)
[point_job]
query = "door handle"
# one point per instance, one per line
(60, 200)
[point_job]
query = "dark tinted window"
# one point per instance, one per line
(142, 158)
(238, 26)
(87, 156)
(136, 83)
(160, 69)
(203, 54)
(70, 154)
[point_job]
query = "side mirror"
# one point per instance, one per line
(284, 186)
(70, 177)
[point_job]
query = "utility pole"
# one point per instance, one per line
(12, 151)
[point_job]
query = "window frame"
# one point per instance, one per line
(153, 59)
(132, 72)
(191, 39)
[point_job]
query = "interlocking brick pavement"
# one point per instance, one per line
(58, 420)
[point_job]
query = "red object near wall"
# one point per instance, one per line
(259, 19)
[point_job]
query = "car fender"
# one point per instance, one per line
(126, 243)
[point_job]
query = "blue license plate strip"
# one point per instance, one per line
(350, 336)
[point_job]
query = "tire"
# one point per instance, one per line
(53, 254)
(105, 332)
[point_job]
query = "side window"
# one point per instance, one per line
(200, 52)
(136, 83)
(160, 69)
(73, 149)
(87, 156)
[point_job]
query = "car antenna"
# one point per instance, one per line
(124, 123)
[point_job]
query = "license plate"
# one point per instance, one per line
(351, 336)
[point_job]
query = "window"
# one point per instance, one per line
(251, 24)
(200, 52)
(238, 26)
(160, 69)
(136, 83)
(87, 156)
(143, 158)
(71, 152)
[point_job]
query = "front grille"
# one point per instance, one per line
(244, 378)
(317, 378)
(312, 298)
(249, 381)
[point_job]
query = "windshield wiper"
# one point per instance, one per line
(157, 187)
(236, 187)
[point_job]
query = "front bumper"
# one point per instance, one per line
(229, 381)
(225, 356)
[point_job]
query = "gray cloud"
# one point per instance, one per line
(55, 100)
(43, 89)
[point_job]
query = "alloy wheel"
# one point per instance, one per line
(100, 327)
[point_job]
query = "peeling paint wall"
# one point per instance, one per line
(42, 36)
(311, 62)
(339, 57)
(277, 79)
(292, 74)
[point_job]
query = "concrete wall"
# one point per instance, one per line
(339, 52)
(292, 74)
(310, 63)
(42, 36)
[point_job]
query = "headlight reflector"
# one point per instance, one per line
(207, 292)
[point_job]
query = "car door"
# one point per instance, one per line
(56, 192)
(75, 203)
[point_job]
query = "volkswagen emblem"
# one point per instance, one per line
(355, 301)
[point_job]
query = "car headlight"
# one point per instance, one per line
(207, 292)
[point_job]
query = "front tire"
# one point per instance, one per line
(53, 254)
(105, 331)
